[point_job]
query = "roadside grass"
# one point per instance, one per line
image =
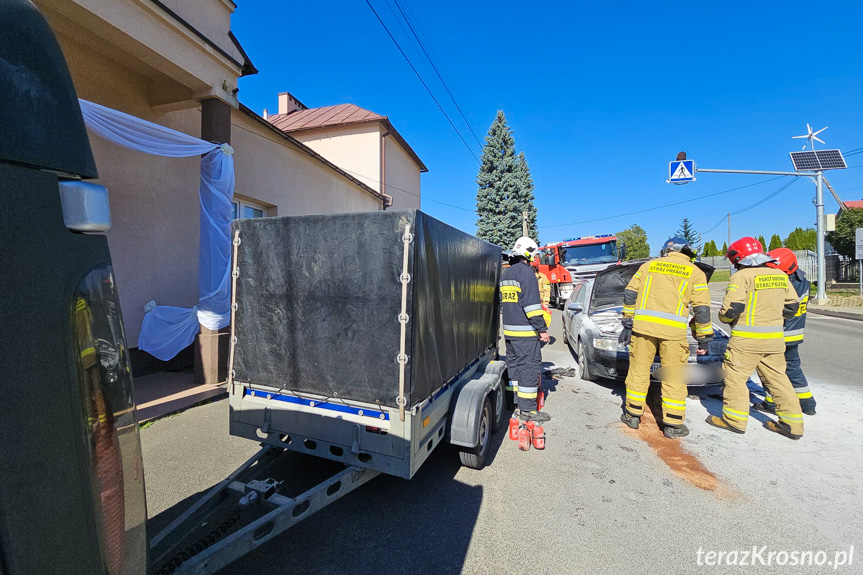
(721, 276)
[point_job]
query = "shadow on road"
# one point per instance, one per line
(388, 525)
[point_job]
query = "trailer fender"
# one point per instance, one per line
(467, 405)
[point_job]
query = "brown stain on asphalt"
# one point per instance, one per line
(681, 462)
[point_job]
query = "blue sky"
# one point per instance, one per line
(600, 96)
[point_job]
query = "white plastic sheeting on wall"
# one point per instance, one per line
(167, 330)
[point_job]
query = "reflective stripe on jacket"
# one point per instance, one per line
(754, 303)
(659, 295)
(519, 302)
(794, 325)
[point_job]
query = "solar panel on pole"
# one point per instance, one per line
(817, 160)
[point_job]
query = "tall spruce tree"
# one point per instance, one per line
(505, 188)
(763, 243)
(687, 232)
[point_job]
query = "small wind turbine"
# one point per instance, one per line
(810, 137)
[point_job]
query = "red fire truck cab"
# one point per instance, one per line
(577, 258)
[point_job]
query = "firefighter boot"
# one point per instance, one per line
(781, 428)
(766, 406)
(722, 424)
(632, 421)
(675, 431)
(537, 416)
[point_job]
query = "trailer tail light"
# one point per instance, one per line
(111, 439)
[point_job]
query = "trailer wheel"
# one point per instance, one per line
(497, 418)
(475, 457)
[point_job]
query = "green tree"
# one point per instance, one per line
(775, 242)
(635, 239)
(761, 239)
(847, 223)
(714, 251)
(801, 239)
(724, 248)
(505, 188)
(687, 232)
(708, 248)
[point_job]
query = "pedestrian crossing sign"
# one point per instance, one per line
(681, 171)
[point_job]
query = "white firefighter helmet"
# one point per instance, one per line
(524, 247)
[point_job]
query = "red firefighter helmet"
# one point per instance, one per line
(743, 247)
(787, 260)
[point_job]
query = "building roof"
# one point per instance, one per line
(853, 204)
(339, 115)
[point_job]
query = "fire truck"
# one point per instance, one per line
(577, 258)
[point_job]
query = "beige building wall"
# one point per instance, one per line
(355, 149)
(154, 201)
(210, 17)
(402, 177)
(286, 180)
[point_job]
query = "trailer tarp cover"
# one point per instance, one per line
(318, 301)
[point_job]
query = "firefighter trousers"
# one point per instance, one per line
(673, 354)
(739, 365)
(798, 379)
(524, 364)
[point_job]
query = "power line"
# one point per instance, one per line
(698, 199)
(764, 199)
(722, 219)
(451, 97)
(423, 82)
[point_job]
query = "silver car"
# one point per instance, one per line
(591, 326)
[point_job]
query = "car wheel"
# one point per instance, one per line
(566, 336)
(475, 457)
(583, 367)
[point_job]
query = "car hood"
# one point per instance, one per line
(609, 284)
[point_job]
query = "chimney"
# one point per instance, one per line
(266, 114)
(288, 104)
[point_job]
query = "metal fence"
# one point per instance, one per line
(842, 270)
(806, 260)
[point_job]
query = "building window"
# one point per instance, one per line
(242, 209)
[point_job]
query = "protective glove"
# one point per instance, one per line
(703, 345)
(626, 335)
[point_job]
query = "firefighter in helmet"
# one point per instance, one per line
(524, 328)
(656, 306)
(786, 261)
(757, 300)
(544, 291)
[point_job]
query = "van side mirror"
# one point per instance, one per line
(621, 251)
(575, 307)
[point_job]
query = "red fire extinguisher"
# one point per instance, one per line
(525, 438)
(513, 428)
(538, 437)
(540, 396)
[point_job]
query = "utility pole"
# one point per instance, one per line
(524, 224)
(729, 229)
(821, 294)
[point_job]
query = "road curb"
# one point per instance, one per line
(836, 313)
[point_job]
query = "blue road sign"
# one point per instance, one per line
(681, 171)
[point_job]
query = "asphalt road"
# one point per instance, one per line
(599, 499)
(832, 349)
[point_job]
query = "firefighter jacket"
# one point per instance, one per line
(794, 325)
(544, 288)
(756, 302)
(659, 295)
(519, 302)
